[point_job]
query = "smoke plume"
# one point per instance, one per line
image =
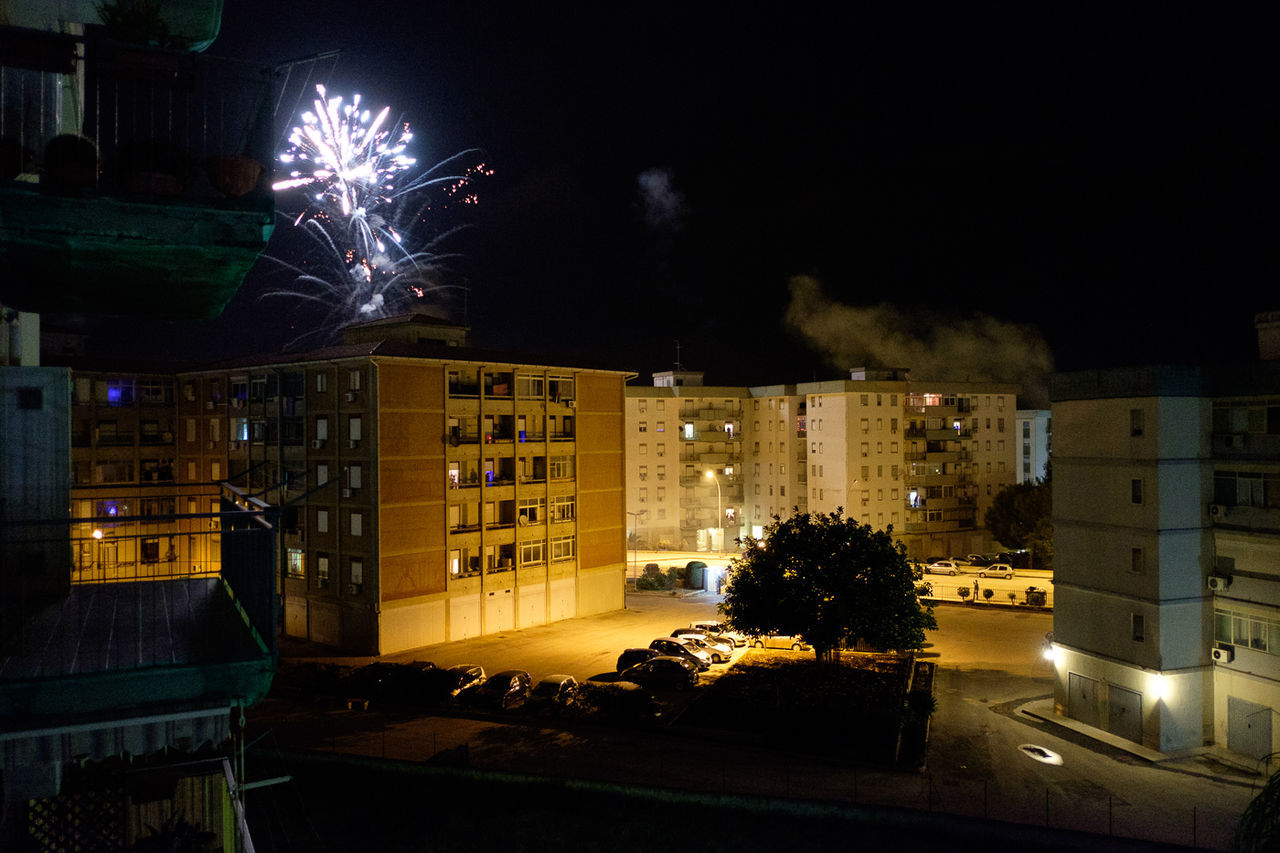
(975, 348)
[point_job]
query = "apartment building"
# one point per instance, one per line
(133, 184)
(426, 491)
(1035, 427)
(684, 463)
(924, 457)
(1167, 554)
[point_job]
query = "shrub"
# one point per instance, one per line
(963, 592)
(987, 593)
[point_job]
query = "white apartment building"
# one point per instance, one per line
(684, 463)
(1035, 428)
(1167, 554)
(923, 457)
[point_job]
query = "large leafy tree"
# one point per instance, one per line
(1020, 516)
(830, 580)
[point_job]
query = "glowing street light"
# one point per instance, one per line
(635, 544)
(711, 475)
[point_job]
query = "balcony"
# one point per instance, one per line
(157, 204)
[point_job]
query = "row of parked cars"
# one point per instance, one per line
(675, 662)
(423, 683)
(983, 567)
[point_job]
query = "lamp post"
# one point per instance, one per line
(635, 546)
(711, 475)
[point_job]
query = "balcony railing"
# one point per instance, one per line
(157, 202)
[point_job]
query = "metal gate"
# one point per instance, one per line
(1248, 727)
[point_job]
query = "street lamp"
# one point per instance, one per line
(711, 475)
(635, 545)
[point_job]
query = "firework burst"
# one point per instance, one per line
(365, 214)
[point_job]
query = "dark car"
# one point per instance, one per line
(663, 672)
(553, 691)
(446, 684)
(502, 691)
(388, 683)
(672, 647)
(631, 657)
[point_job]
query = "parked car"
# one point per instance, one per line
(780, 641)
(663, 671)
(722, 646)
(445, 684)
(502, 691)
(390, 683)
(719, 629)
(554, 691)
(674, 648)
(942, 567)
(631, 657)
(978, 560)
(719, 652)
(1002, 570)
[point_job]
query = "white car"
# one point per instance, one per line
(942, 567)
(711, 627)
(1000, 570)
(720, 652)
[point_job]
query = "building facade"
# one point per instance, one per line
(1035, 429)
(426, 492)
(1167, 554)
(924, 457)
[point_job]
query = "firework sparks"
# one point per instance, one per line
(347, 162)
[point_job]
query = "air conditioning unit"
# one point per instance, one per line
(353, 443)
(1218, 583)
(1217, 510)
(318, 443)
(1222, 654)
(346, 493)
(573, 404)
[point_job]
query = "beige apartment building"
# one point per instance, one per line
(924, 457)
(1166, 513)
(425, 491)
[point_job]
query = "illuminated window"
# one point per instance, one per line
(563, 548)
(295, 565)
(533, 553)
(322, 521)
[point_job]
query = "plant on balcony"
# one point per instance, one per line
(138, 22)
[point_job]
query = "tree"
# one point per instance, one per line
(827, 579)
(1020, 516)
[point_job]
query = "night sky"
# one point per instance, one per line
(958, 186)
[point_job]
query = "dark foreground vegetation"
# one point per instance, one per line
(868, 708)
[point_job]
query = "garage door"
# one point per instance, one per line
(1082, 699)
(1248, 727)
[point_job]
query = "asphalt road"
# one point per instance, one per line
(989, 668)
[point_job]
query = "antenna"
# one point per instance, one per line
(678, 355)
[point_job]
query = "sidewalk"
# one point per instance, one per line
(1211, 762)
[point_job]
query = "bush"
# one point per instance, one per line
(963, 592)
(618, 702)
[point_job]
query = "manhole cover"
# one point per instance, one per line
(1039, 753)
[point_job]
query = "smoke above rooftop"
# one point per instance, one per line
(972, 348)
